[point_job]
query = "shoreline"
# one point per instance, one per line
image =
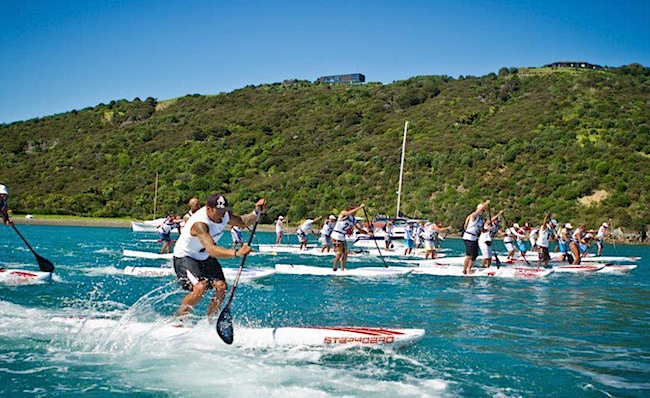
(122, 223)
(95, 222)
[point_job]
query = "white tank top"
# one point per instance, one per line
(190, 246)
(342, 227)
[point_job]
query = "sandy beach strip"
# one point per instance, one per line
(94, 222)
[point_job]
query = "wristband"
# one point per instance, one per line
(236, 253)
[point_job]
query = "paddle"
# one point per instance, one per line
(374, 240)
(496, 258)
(44, 264)
(224, 323)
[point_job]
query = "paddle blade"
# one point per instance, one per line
(224, 326)
(44, 264)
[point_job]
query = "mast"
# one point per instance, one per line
(155, 197)
(401, 169)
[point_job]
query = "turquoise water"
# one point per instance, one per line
(565, 336)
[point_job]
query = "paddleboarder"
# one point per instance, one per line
(600, 237)
(194, 206)
(3, 205)
(196, 252)
(473, 225)
(344, 225)
(326, 233)
(306, 228)
(279, 230)
(165, 232)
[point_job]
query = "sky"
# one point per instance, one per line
(60, 55)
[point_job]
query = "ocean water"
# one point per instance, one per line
(566, 335)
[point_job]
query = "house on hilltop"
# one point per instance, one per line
(354, 78)
(572, 64)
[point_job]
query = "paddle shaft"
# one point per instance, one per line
(373, 238)
(496, 258)
(224, 323)
(243, 260)
(44, 264)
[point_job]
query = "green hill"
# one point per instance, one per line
(572, 142)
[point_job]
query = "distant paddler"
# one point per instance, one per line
(472, 228)
(600, 237)
(326, 233)
(344, 225)
(194, 205)
(4, 210)
(546, 233)
(196, 252)
(303, 231)
(279, 230)
(578, 244)
(165, 230)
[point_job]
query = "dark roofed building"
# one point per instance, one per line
(353, 78)
(572, 64)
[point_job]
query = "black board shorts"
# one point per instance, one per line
(471, 248)
(209, 270)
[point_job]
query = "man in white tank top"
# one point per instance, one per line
(473, 224)
(344, 225)
(196, 252)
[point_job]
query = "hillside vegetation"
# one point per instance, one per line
(573, 143)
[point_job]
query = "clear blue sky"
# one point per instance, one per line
(60, 55)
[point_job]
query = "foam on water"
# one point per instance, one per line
(184, 365)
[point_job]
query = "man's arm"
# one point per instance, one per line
(248, 219)
(201, 231)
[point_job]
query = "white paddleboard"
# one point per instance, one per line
(591, 257)
(617, 268)
(580, 268)
(247, 274)
(141, 254)
(503, 272)
(281, 248)
(342, 336)
(310, 250)
(371, 272)
(15, 276)
(610, 259)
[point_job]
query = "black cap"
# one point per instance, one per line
(218, 201)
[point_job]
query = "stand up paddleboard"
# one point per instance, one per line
(251, 337)
(591, 257)
(368, 272)
(503, 272)
(23, 276)
(308, 251)
(230, 273)
(617, 268)
(150, 255)
(580, 268)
